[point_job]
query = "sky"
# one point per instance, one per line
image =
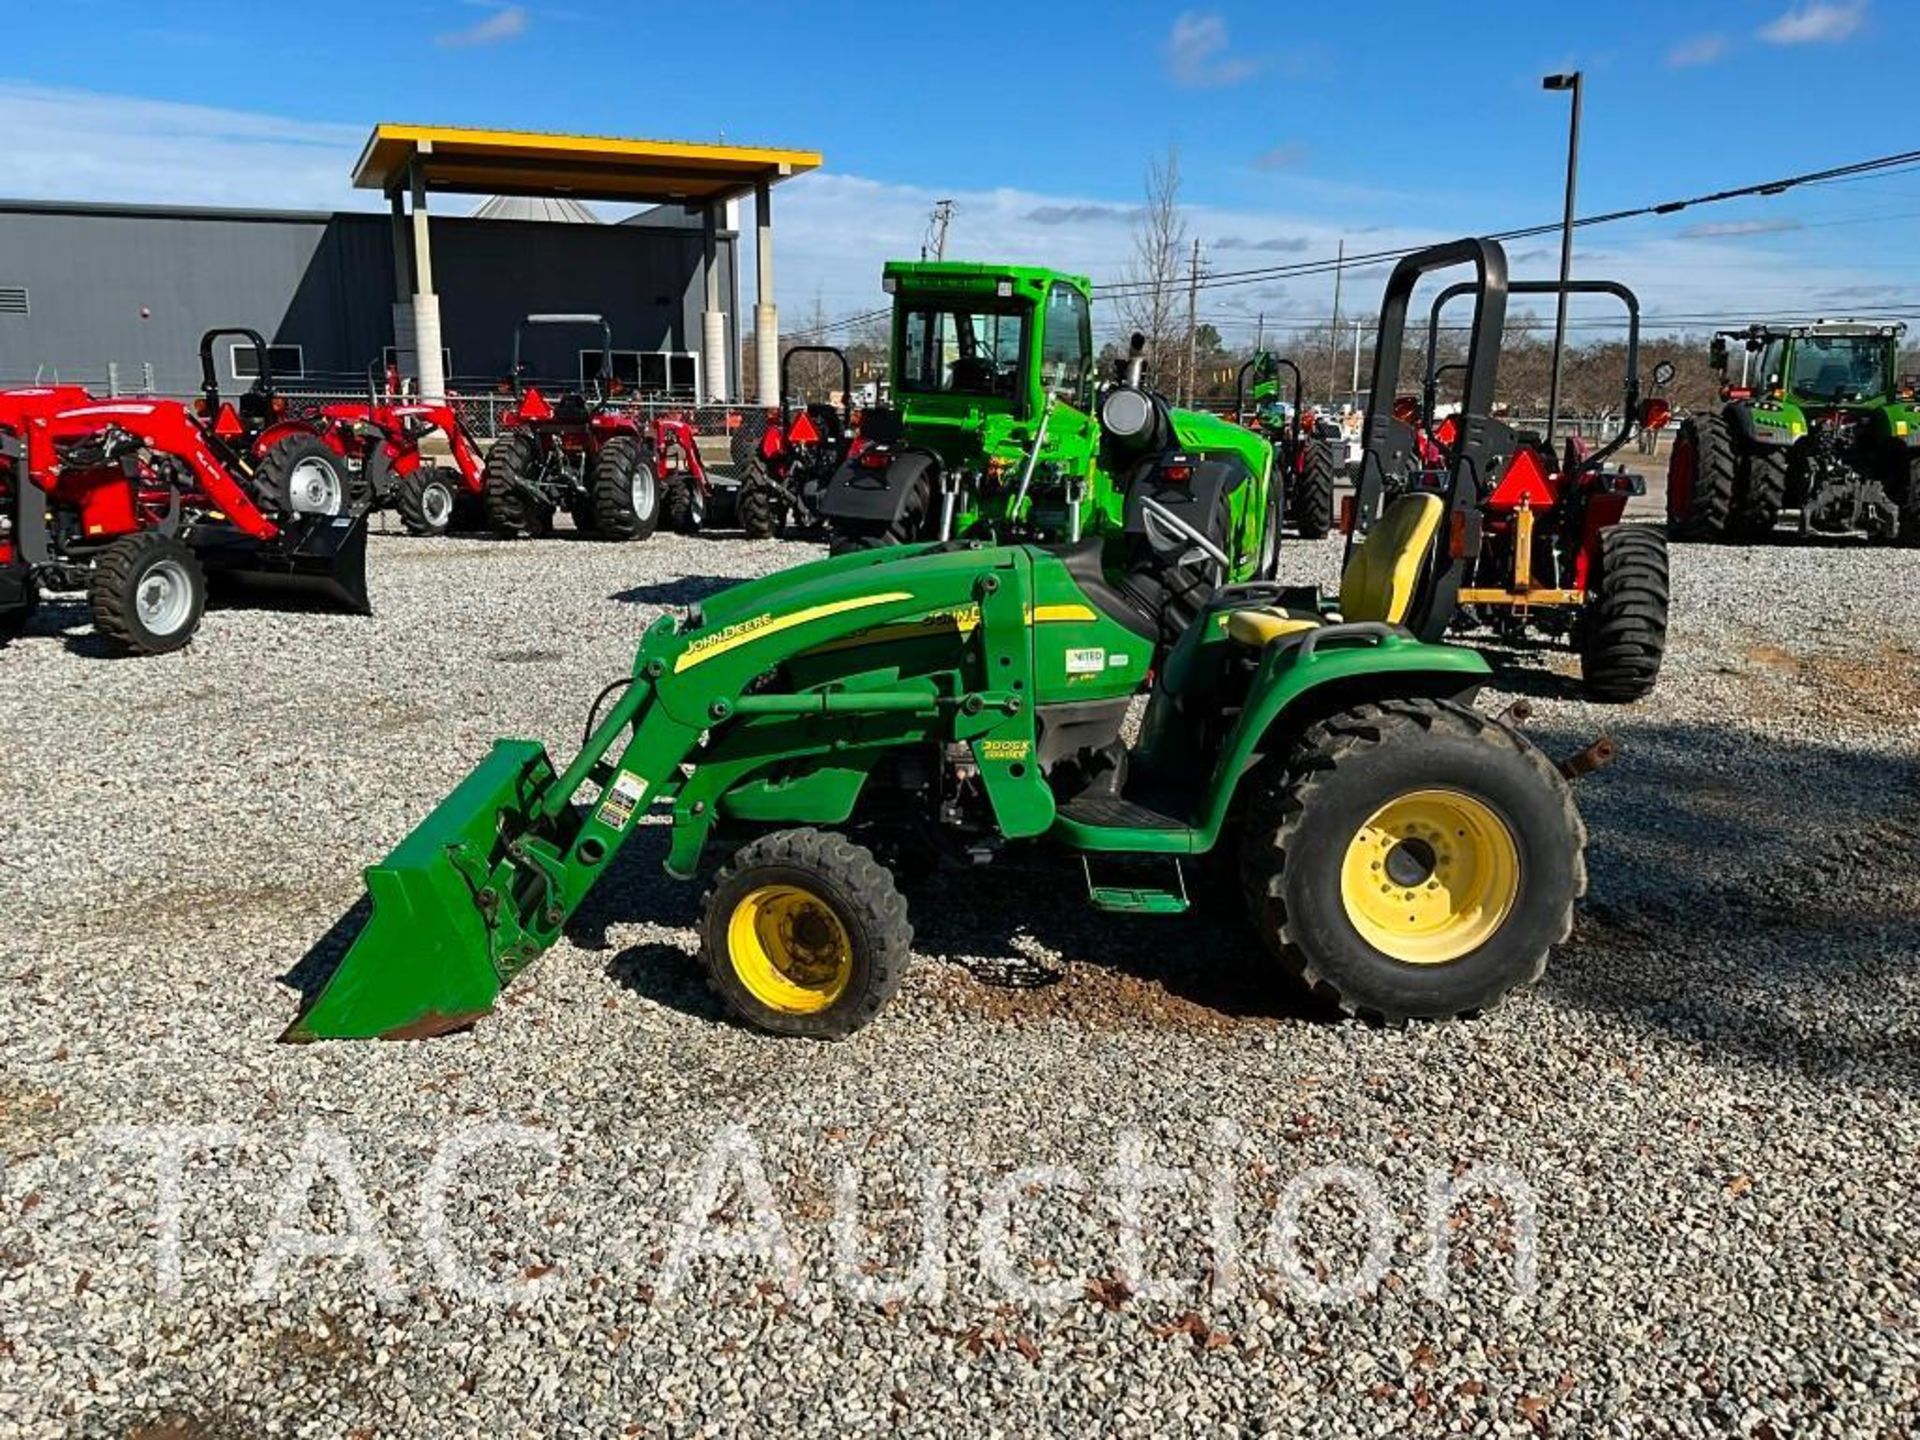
(1297, 128)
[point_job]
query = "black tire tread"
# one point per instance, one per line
(610, 491)
(1312, 500)
(110, 591)
(1714, 482)
(1624, 629)
(274, 470)
(1760, 495)
(1279, 804)
(511, 512)
(760, 512)
(882, 921)
(410, 491)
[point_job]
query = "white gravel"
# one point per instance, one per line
(1713, 1100)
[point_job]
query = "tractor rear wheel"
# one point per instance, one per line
(624, 491)
(762, 512)
(1311, 503)
(1758, 499)
(804, 933)
(1623, 630)
(426, 499)
(1413, 860)
(511, 511)
(1701, 471)
(1905, 491)
(303, 475)
(147, 593)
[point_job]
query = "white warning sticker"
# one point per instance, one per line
(621, 799)
(1086, 662)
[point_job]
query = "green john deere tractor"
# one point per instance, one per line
(1000, 428)
(1816, 424)
(1400, 852)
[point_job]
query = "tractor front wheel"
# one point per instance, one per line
(685, 507)
(804, 933)
(511, 465)
(1701, 470)
(624, 491)
(1311, 502)
(1906, 492)
(426, 500)
(1413, 860)
(763, 512)
(147, 593)
(1623, 631)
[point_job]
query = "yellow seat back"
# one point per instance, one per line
(1383, 577)
(1259, 626)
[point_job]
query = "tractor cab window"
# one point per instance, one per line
(1767, 366)
(962, 351)
(1840, 367)
(1066, 344)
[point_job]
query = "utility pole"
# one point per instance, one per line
(1333, 331)
(1193, 301)
(937, 223)
(1570, 82)
(1260, 332)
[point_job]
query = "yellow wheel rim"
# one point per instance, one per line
(789, 949)
(1430, 876)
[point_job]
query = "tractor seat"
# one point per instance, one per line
(1381, 583)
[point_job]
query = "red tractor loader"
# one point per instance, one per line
(572, 452)
(797, 455)
(136, 503)
(381, 440)
(1534, 539)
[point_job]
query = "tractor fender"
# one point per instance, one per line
(1308, 676)
(859, 492)
(1754, 436)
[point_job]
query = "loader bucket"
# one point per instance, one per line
(318, 558)
(426, 961)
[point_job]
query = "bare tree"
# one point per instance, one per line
(1154, 280)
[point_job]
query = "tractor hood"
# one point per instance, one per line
(1212, 435)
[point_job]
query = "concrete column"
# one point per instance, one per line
(713, 321)
(426, 304)
(406, 354)
(766, 315)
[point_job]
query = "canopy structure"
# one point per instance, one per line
(409, 161)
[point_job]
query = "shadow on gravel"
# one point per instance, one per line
(312, 970)
(1757, 898)
(669, 977)
(683, 591)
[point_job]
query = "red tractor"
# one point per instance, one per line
(572, 452)
(381, 440)
(1533, 539)
(137, 501)
(797, 455)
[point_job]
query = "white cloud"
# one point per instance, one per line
(1816, 23)
(1722, 229)
(1281, 157)
(503, 24)
(89, 146)
(1198, 53)
(1700, 50)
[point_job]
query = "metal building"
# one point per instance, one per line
(120, 294)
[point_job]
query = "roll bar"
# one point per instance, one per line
(606, 339)
(1430, 390)
(210, 375)
(1389, 446)
(1277, 362)
(846, 381)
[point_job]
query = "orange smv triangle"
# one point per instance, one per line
(802, 432)
(227, 424)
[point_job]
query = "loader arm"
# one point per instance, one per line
(488, 880)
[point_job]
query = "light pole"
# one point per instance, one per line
(1568, 81)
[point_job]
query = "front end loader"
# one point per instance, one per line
(1401, 853)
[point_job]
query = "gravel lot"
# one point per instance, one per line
(1710, 1107)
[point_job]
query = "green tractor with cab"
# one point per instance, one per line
(943, 705)
(1816, 424)
(1001, 429)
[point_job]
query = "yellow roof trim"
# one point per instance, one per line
(461, 159)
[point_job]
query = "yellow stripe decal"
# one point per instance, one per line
(963, 621)
(747, 631)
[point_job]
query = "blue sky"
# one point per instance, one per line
(1383, 123)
